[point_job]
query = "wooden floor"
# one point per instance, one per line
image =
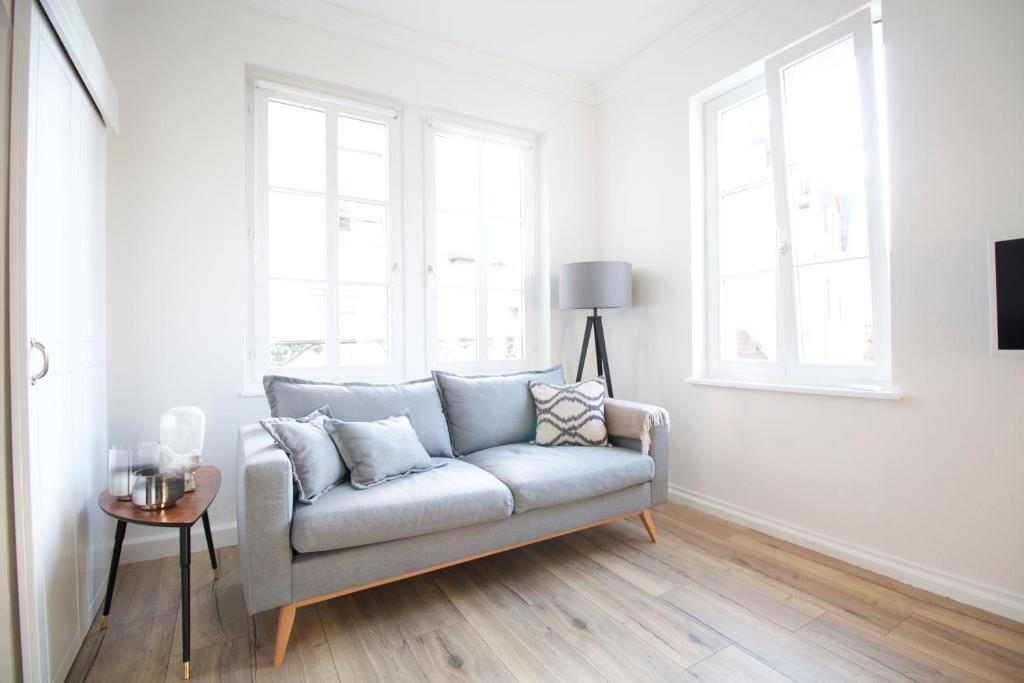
(711, 601)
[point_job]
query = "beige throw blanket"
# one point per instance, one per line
(634, 420)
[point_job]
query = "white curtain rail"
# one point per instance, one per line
(286, 89)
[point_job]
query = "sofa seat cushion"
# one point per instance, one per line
(448, 497)
(543, 476)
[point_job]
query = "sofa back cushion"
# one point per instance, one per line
(491, 410)
(363, 402)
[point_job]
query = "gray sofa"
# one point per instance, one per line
(484, 502)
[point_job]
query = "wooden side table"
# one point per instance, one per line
(183, 514)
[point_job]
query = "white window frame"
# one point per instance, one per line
(258, 338)
(533, 307)
(787, 369)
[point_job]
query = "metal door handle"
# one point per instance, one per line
(46, 360)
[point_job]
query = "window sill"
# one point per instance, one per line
(850, 391)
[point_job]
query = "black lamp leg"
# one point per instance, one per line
(586, 345)
(602, 354)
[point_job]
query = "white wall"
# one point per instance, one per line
(932, 487)
(177, 200)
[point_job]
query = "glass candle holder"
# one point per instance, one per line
(124, 458)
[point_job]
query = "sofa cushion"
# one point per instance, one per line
(448, 497)
(491, 410)
(382, 450)
(543, 476)
(316, 465)
(570, 414)
(362, 402)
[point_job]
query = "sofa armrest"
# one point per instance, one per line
(644, 428)
(264, 510)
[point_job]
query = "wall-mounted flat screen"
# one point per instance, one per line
(1008, 294)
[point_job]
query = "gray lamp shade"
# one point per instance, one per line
(595, 284)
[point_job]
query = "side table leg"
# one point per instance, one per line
(185, 545)
(209, 545)
(115, 558)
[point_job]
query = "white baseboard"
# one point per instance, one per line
(152, 546)
(997, 600)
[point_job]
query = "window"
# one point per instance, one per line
(796, 246)
(480, 215)
(330, 249)
(326, 188)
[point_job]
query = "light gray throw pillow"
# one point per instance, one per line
(379, 451)
(491, 410)
(362, 402)
(316, 465)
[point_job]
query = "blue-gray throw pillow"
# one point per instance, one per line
(379, 451)
(316, 465)
(363, 402)
(491, 410)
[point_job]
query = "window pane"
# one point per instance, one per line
(456, 250)
(362, 171)
(828, 209)
(505, 254)
(456, 174)
(744, 151)
(502, 174)
(296, 236)
(822, 104)
(365, 136)
(362, 175)
(295, 147)
(748, 317)
(834, 311)
(456, 324)
(746, 229)
(297, 323)
(363, 324)
(504, 324)
(362, 242)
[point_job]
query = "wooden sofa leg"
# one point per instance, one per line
(645, 517)
(285, 619)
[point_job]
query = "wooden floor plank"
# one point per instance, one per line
(829, 594)
(670, 631)
(780, 649)
(610, 647)
(414, 606)
(144, 590)
(523, 643)
(522, 575)
(365, 645)
(735, 582)
(987, 660)
(644, 571)
(716, 526)
(733, 665)
(882, 655)
(226, 662)
(457, 653)
(928, 603)
(136, 652)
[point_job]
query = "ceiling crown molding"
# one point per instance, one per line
(698, 25)
(336, 19)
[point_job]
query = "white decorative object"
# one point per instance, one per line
(182, 430)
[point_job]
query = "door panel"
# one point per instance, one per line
(58, 298)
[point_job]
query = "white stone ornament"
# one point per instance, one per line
(182, 430)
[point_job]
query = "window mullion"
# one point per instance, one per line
(481, 260)
(786, 278)
(331, 241)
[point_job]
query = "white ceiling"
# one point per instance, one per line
(583, 39)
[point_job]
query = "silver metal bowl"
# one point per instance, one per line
(155, 488)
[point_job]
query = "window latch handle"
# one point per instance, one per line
(783, 247)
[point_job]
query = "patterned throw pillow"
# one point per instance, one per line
(570, 414)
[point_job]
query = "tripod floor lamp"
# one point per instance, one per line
(595, 285)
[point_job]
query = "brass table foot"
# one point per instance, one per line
(103, 622)
(185, 673)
